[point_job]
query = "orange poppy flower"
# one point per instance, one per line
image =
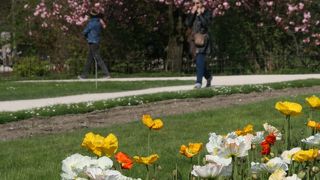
(246, 130)
(124, 160)
(191, 150)
(313, 124)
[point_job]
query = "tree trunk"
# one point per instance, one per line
(13, 24)
(175, 44)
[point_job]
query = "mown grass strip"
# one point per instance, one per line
(11, 90)
(142, 99)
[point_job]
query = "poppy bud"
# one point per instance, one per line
(301, 174)
(254, 176)
(315, 169)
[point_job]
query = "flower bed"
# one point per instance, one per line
(241, 154)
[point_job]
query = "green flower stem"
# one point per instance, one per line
(288, 134)
(313, 131)
(147, 177)
(291, 168)
(149, 142)
(234, 172)
(242, 169)
(311, 113)
(154, 171)
(176, 177)
(248, 164)
(148, 173)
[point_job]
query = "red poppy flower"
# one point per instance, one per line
(124, 160)
(271, 139)
(265, 148)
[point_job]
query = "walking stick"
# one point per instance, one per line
(96, 72)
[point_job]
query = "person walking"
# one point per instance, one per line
(198, 20)
(92, 33)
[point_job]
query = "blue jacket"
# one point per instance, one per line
(93, 30)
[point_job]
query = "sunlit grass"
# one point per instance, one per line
(40, 157)
(12, 90)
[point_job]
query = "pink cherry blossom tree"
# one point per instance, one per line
(298, 18)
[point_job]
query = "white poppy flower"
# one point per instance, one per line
(214, 144)
(94, 173)
(237, 147)
(271, 166)
(116, 175)
(83, 167)
(293, 177)
(218, 160)
(99, 174)
(104, 163)
(258, 138)
(280, 174)
(271, 129)
(230, 145)
(73, 165)
(274, 164)
(287, 155)
(312, 140)
(256, 167)
(231, 135)
(211, 170)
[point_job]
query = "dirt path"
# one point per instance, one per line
(118, 115)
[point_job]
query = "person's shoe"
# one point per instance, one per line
(209, 81)
(106, 77)
(81, 77)
(197, 86)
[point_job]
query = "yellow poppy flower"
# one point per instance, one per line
(313, 102)
(289, 108)
(100, 145)
(147, 120)
(110, 145)
(93, 142)
(150, 123)
(313, 124)
(246, 130)
(158, 124)
(146, 160)
(307, 155)
(192, 150)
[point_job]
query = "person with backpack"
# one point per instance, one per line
(198, 21)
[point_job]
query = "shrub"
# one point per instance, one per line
(31, 66)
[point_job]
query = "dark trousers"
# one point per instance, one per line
(94, 55)
(201, 67)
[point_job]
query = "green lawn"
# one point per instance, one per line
(40, 157)
(11, 90)
(55, 76)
